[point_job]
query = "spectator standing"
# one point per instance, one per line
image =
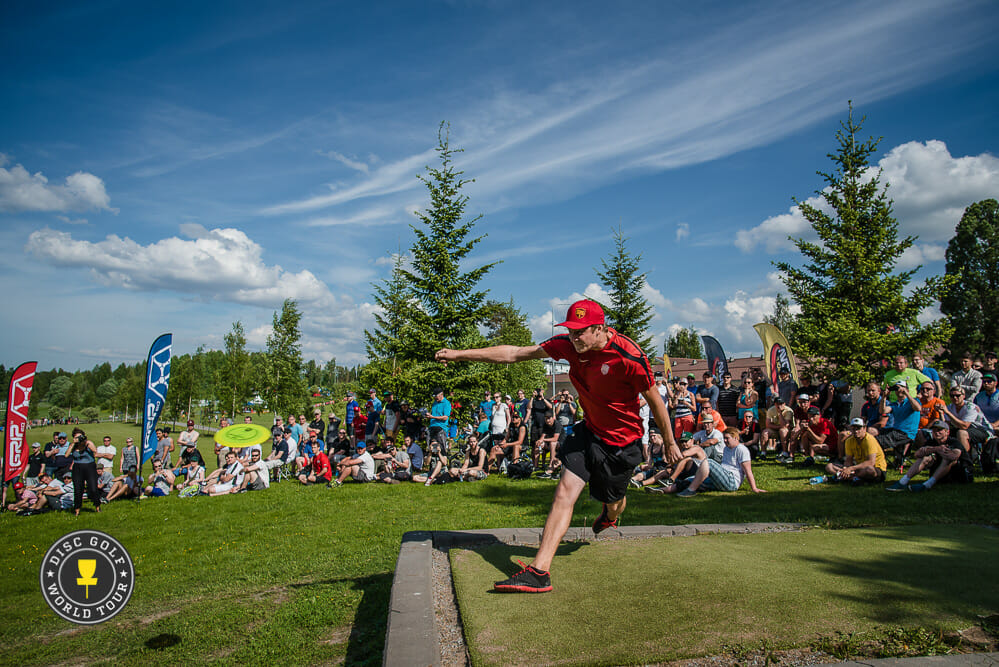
(786, 388)
(968, 379)
(748, 400)
(707, 393)
(106, 453)
(499, 423)
(189, 436)
(486, 405)
(332, 430)
(912, 377)
(440, 414)
(84, 472)
(129, 457)
(351, 411)
(522, 403)
(536, 414)
(392, 410)
(318, 425)
(36, 463)
(728, 401)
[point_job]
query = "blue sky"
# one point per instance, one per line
(176, 167)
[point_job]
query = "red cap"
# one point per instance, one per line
(18, 485)
(583, 314)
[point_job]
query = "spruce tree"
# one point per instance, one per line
(628, 312)
(855, 309)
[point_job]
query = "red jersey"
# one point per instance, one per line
(360, 422)
(321, 465)
(608, 382)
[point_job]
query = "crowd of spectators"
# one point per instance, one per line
(720, 428)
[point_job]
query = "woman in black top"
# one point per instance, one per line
(84, 470)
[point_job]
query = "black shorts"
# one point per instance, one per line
(607, 469)
(536, 433)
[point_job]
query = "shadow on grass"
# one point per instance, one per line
(901, 584)
(367, 636)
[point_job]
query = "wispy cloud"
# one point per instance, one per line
(744, 86)
(351, 162)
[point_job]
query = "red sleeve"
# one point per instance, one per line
(559, 347)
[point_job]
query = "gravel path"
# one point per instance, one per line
(454, 653)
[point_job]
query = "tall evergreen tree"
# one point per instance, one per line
(628, 312)
(448, 301)
(684, 344)
(972, 303)
(233, 378)
(855, 309)
(286, 385)
(395, 299)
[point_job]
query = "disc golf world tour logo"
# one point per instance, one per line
(87, 577)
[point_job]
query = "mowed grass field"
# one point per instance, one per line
(788, 589)
(302, 575)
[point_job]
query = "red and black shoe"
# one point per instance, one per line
(527, 580)
(603, 523)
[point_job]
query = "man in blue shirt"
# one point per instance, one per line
(988, 398)
(931, 373)
(486, 405)
(905, 421)
(373, 409)
(349, 419)
(440, 413)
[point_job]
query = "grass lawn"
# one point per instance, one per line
(653, 600)
(303, 575)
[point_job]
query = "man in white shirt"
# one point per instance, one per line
(360, 467)
(230, 477)
(106, 453)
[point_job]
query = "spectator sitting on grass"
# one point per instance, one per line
(653, 463)
(396, 464)
(690, 456)
(780, 421)
(901, 431)
(25, 498)
(126, 486)
(967, 419)
(194, 475)
(511, 446)
(816, 436)
(708, 439)
(307, 450)
(415, 453)
(552, 436)
(318, 471)
(864, 460)
(47, 492)
(437, 463)
(987, 399)
(948, 456)
(338, 448)
(280, 452)
(104, 480)
(190, 461)
(726, 475)
(68, 492)
(473, 467)
(161, 481)
(361, 467)
(226, 479)
(255, 474)
(749, 434)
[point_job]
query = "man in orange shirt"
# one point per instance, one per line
(932, 410)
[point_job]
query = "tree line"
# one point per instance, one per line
(854, 309)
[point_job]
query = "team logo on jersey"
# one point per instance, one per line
(605, 369)
(87, 577)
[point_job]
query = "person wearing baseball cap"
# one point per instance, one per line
(608, 371)
(947, 455)
(190, 436)
(863, 459)
(361, 467)
(903, 422)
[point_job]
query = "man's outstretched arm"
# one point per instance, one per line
(500, 354)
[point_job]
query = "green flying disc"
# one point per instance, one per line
(242, 435)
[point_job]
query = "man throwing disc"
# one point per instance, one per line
(609, 371)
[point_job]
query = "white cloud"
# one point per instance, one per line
(72, 221)
(21, 191)
(682, 231)
(930, 190)
(921, 254)
(214, 265)
(351, 162)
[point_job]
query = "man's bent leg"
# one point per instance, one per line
(568, 490)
